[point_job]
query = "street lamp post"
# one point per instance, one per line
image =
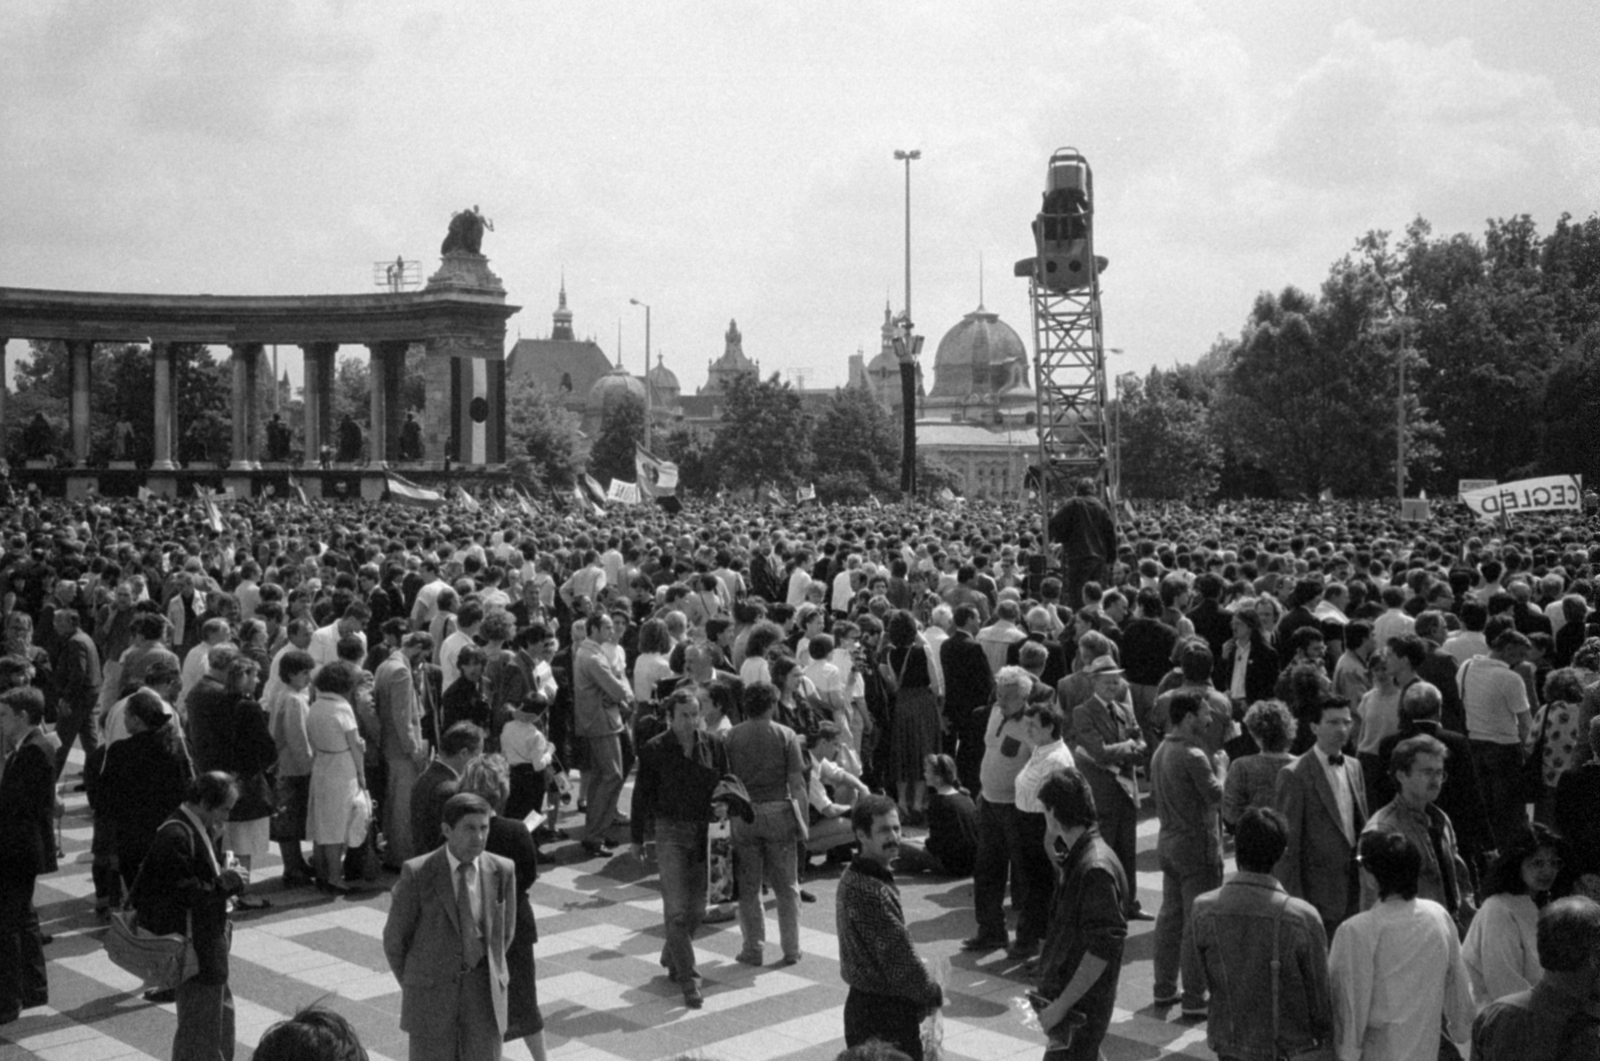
(906, 350)
(647, 403)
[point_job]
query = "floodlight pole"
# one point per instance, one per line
(647, 402)
(907, 351)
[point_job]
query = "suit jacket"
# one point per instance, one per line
(77, 666)
(1056, 664)
(1260, 672)
(422, 937)
(435, 785)
(1319, 864)
(1212, 623)
(968, 679)
(394, 698)
(27, 810)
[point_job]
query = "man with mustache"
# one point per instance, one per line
(890, 989)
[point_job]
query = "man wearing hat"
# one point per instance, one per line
(1108, 747)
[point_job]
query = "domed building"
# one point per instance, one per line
(663, 383)
(584, 379)
(979, 416)
(980, 372)
(608, 391)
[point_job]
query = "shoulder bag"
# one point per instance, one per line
(160, 961)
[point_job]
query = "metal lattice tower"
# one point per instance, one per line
(1069, 350)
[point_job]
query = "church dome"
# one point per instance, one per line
(610, 388)
(978, 357)
(662, 378)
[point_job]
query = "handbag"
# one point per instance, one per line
(160, 961)
(163, 961)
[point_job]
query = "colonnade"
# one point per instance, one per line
(386, 405)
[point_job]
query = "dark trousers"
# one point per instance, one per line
(76, 724)
(1499, 767)
(895, 1020)
(1119, 824)
(1000, 841)
(22, 975)
(205, 1022)
(1033, 870)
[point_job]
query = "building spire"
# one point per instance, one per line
(980, 279)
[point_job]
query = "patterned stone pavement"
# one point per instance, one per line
(599, 984)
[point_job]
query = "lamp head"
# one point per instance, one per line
(907, 155)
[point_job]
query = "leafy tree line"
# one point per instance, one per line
(1495, 340)
(766, 438)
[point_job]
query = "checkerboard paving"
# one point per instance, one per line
(602, 990)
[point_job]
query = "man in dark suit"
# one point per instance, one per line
(461, 743)
(1210, 620)
(1323, 797)
(968, 687)
(1440, 668)
(1056, 663)
(1083, 528)
(451, 918)
(27, 849)
(77, 667)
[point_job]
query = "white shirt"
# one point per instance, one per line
(842, 591)
(1502, 948)
(1339, 779)
(799, 585)
(1241, 660)
(1045, 760)
(1465, 644)
(523, 742)
(1393, 971)
(448, 652)
(1493, 697)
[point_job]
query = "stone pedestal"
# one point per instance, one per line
(123, 466)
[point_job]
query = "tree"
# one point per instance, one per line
(352, 390)
(1169, 452)
(691, 451)
(621, 431)
(542, 432)
(1571, 444)
(856, 443)
(764, 436)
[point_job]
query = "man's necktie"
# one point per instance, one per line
(1336, 759)
(471, 936)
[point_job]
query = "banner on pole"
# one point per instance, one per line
(405, 492)
(1551, 493)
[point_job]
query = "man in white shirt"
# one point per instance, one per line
(999, 635)
(426, 606)
(799, 581)
(1396, 973)
(1469, 640)
(1498, 720)
(324, 646)
(1394, 621)
(844, 587)
(468, 620)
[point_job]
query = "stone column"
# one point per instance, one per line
(319, 359)
(80, 352)
(388, 364)
(246, 371)
(162, 433)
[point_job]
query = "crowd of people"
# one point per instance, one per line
(1391, 726)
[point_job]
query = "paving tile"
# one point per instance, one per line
(600, 985)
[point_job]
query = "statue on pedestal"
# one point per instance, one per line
(279, 438)
(122, 440)
(349, 440)
(466, 232)
(411, 439)
(38, 439)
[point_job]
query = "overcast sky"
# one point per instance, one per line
(735, 160)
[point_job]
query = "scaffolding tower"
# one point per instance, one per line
(1069, 348)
